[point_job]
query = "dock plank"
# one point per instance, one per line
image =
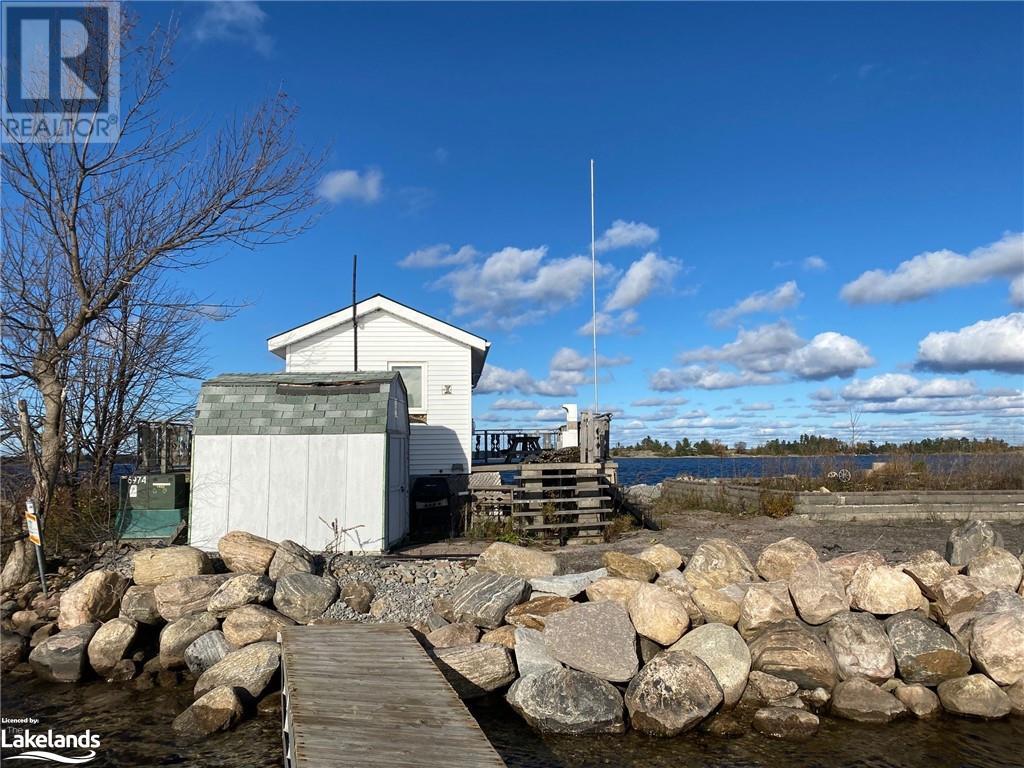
(368, 695)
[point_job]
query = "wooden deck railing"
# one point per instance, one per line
(510, 446)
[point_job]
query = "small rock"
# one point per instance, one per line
(662, 557)
(974, 696)
(970, 539)
(253, 624)
(567, 701)
(865, 702)
(883, 591)
(1015, 693)
(628, 567)
(41, 634)
(764, 605)
(290, 557)
(303, 596)
(13, 648)
(271, 703)
(769, 689)
(123, 671)
(568, 585)
(451, 635)
(785, 723)
(476, 670)
(218, 710)
(240, 590)
(658, 614)
(252, 668)
(244, 552)
(722, 649)
(157, 565)
(358, 595)
(919, 700)
(206, 650)
(521, 562)
(672, 694)
(594, 637)
(110, 643)
(534, 612)
(778, 560)
(505, 635)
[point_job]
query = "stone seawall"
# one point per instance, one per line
(862, 506)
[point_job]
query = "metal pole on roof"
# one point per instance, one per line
(355, 326)
(593, 284)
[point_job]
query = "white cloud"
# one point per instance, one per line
(516, 286)
(440, 255)
(892, 386)
(608, 323)
(643, 277)
(700, 377)
(776, 300)
(757, 407)
(495, 379)
(567, 359)
(338, 186)
(764, 349)
(934, 271)
(658, 401)
(238, 21)
(815, 264)
(508, 404)
(823, 394)
(1017, 291)
(626, 234)
(829, 354)
(993, 345)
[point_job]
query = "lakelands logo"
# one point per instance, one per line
(40, 746)
(61, 72)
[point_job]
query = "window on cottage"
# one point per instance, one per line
(412, 377)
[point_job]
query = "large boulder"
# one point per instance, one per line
(253, 624)
(764, 605)
(863, 701)
(156, 565)
(504, 635)
(785, 723)
(997, 646)
(61, 658)
(20, 566)
(484, 598)
(192, 594)
(818, 592)
(662, 557)
(476, 670)
(251, 668)
(928, 569)
(974, 696)
(206, 650)
(846, 565)
(883, 591)
(672, 693)
(290, 557)
(658, 614)
(724, 652)
(96, 597)
(139, 605)
(240, 590)
(720, 606)
(567, 701)
(177, 636)
(957, 594)
(778, 561)
(675, 582)
(924, 652)
(303, 596)
(1015, 693)
(970, 539)
(568, 585)
(522, 562)
(244, 552)
(861, 647)
(110, 644)
(594, 637)
(534, 613)
(918, 699)
(451, 635)
(718, 563)
(791, 652)
(531, 653)
(218, 710)
(613, 588)
(996, 568)
(628, 567)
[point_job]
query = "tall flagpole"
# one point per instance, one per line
(593, 285)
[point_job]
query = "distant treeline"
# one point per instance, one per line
(810, 445)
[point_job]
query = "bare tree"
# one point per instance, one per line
(95, 234)
(855, 414)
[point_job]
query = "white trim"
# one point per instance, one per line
(279, 344)
(424, 383)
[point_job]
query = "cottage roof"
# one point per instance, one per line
(295, 403)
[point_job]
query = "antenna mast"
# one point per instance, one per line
(593, 284)
(355, 326)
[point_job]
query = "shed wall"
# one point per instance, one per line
(384, 340)
(280, 486)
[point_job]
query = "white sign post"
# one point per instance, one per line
(36, 537)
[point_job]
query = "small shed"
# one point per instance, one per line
(318, 458)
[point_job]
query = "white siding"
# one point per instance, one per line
(384, 339)
(280, 486)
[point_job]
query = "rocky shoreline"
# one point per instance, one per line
(651, 642)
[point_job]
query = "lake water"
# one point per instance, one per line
(135, 730)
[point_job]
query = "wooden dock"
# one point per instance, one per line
(368, 695)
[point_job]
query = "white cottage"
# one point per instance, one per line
(439, 363)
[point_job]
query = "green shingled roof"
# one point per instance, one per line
(294, 403)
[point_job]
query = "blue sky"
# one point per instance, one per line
(800, 208)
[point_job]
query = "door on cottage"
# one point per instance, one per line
(398, 488)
